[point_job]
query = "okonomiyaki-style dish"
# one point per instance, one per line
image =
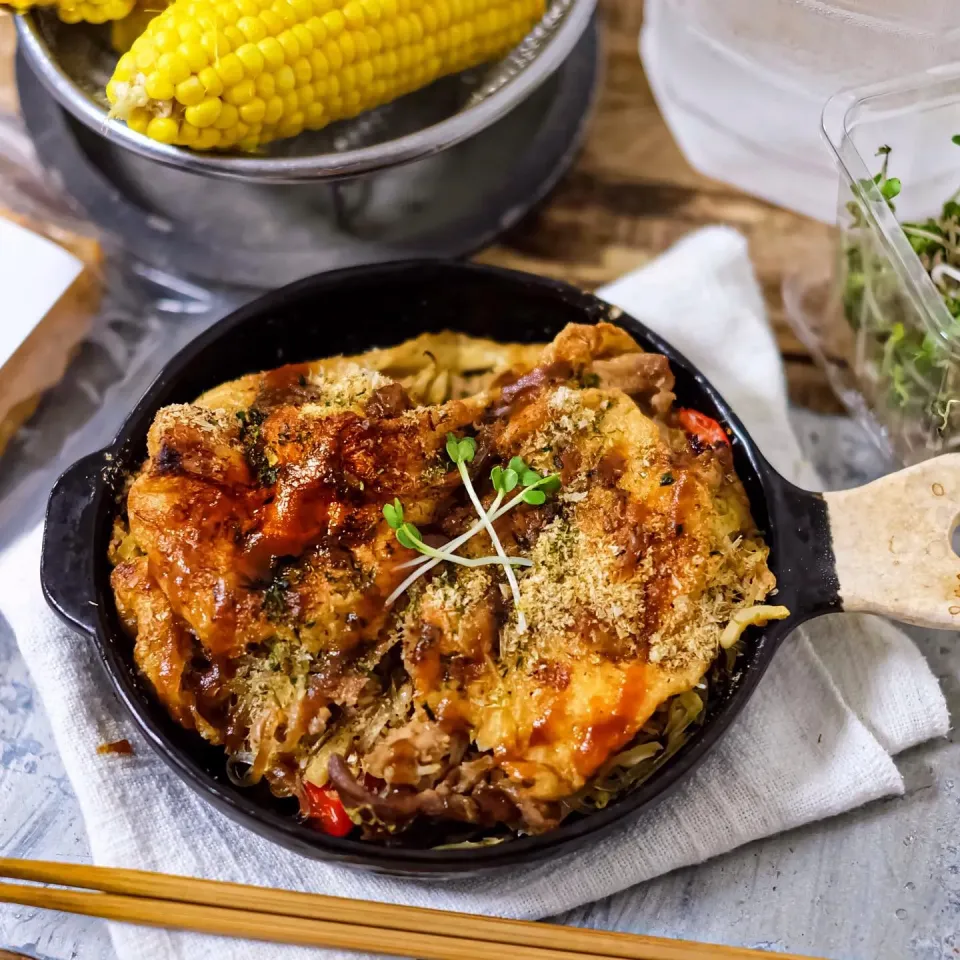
(444, 593)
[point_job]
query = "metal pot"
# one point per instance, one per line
(74, 62)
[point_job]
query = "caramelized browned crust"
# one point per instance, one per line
(257, 563)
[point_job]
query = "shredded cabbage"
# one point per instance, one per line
(657, 742)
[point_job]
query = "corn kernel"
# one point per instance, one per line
(302, 71)
(304, 9)
(319, 64)
(272, 21)
(272, 52)
(145, 53)
(364, 73)
(204, 114)
(208, 139)
(374, 40)
(253, 112)
(139, 119)
(241, 93)
(190, 92)
(334, 55)
(174, 67)
(286, 13)
(291, 103)
(189, 31)
(304, 38)
(229, 115)
(431, 22)
(291, 126)
(188, 134)
(347, 47)
(126, 67)
(348, 78)
(361, 45)
(194, 55)
(353, 14)
(334, 22)
(388, 34)
(286, 79)
(274, 110)
(216, 44)
(158, 86)
(235, 35)
(230, 69)
(372, 10)
(212, 84)
(227, 12)
(163, 129)
(252, 59)
(291, 48)
(305, 96)
(252, 29)
(315, 116)
(317, 30)
(166, 40)
(266, 85)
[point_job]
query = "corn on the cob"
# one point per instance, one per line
(214, 74)
(75, 11)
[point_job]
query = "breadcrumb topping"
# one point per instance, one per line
(350, 387)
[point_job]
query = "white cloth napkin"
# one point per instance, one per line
(816, 739)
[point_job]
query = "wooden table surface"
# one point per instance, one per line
(631, 195)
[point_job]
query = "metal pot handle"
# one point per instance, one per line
(892, 540)
(66, 561)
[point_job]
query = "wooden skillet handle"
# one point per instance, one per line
(892, 543)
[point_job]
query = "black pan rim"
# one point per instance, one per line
(424, 862)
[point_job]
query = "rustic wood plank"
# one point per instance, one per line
(631, 195)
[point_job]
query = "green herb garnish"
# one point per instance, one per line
(534, 491)
(409, 536)
(902, 365)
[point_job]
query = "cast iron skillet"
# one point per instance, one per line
(884, 548)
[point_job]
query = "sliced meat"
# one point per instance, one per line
(646, 377)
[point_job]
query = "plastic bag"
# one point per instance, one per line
(144, 317)
(742, 83)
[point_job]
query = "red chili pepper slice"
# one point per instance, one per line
(326, 809)
(704, 428)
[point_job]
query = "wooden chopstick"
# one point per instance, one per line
(283, 916)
